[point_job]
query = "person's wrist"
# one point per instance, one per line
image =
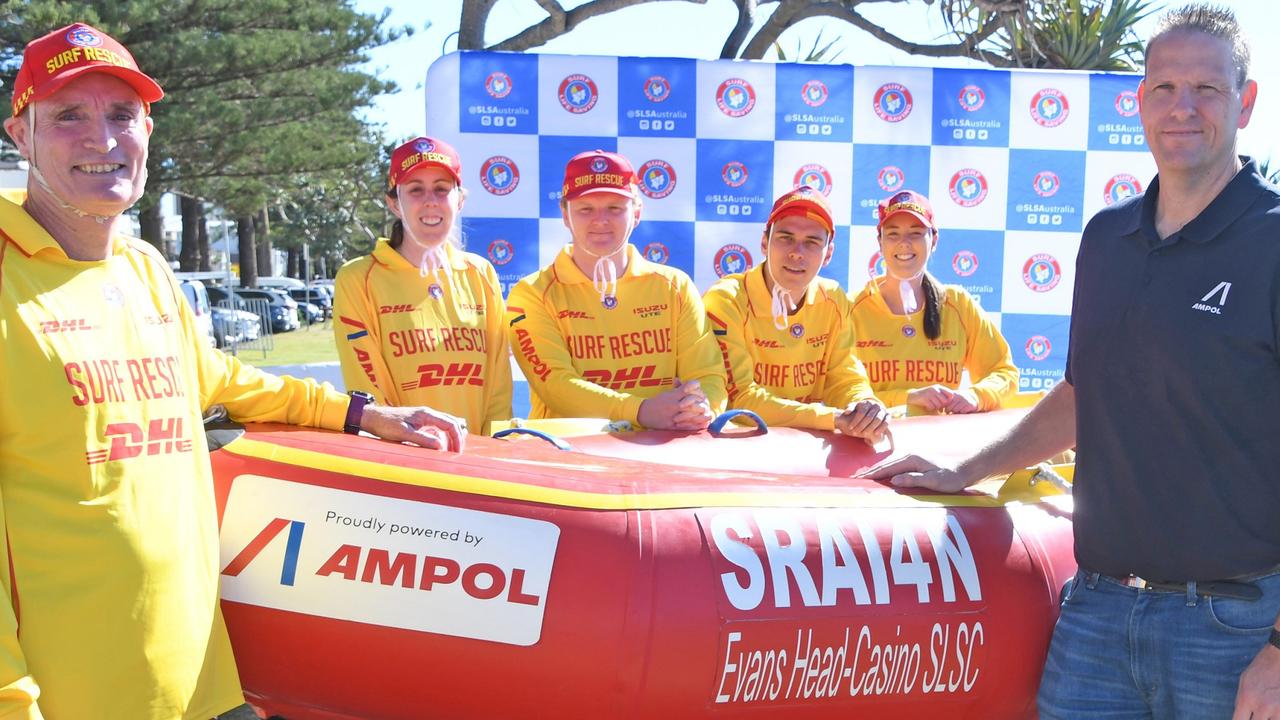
(354, 421)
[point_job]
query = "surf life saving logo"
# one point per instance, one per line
(1121, 187)
(1041, 272)
(735, 97)
(814, 93)
(578, 94)
(796, 330)
(83, 37)
(732, 259)
(815, 176)
(1038, 347)
(892, 102)
(657, 179)
(875, 268)
(657, 89)
(499, 175)
(968, 187)
(891, 178)
(964, 263)
(1046, 183)
(734, 174)
(498, 85)
(656, 252)
(972, 97)
(1049, 107)
(1127, 103)
(501, 252)
(424, 146)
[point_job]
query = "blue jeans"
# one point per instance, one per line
(1119, 652)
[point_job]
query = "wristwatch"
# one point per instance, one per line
(355, 410)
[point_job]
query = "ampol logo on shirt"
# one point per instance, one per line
(968, 187)
(1049, 107)
(499, 175)
(1127, 103)
(501, 252)
(657, 179)
(814, 93)
(1046, 183)
(732, 259)
(1041, 272)
(1038, 347)
(891, 178)
(578, 93)
(657, 89)
(1120, 187)
(735, 97)
(815, 176)
(972, 97)
(892, 102)
(965, 263)
(386, 561)
(498, 84)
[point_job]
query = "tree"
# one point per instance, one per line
(1003, 33)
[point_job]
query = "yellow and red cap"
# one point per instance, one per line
(803, 201)
(598, 171)
(906, 201)
(52, 61)
(423, 152)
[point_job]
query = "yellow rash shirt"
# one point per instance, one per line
(109, 518)
(437, 341)
(583, 359)
(802, 376)
(898, 357)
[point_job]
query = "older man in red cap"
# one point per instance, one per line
(111, 542)
(786, 334)
(603, 332)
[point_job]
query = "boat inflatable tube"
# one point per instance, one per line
(638, 575)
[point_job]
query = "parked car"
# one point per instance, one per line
(235, 326)
(198, 298)
(282, 310)
(260, 307)
(310, 313)
(315, 296)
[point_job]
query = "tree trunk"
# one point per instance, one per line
(189, 256)
(202, 241)
(264, 244)
(150, 221)
(248, 251)
(295, 269)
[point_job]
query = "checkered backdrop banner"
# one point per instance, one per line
(1015, 163)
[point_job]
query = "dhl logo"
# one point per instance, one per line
(873, 344)
(626, 378)
(435, 374)
(393, 309)
(765, 343)
(574, 315)
(49, 327)
(164, 436)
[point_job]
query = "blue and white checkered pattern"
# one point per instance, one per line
(1015, 163)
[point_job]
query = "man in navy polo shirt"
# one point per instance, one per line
(1172, 398)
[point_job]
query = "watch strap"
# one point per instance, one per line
(355, 410)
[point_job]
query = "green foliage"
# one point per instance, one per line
(817, 52)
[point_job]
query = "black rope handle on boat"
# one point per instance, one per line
(723, 419)
(560, 444)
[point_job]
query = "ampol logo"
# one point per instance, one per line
(875, 268)
(734, 174)
(83, 37)
(891, 178)
(892, 102)
(965, 263)
(1041, 272)
(732, 259)
(657, 89)
(498, 84)
(499, 175)
(1038, 347)
(1046, 183)
(815, 176)
(968, 187)
(578, 94)
(289, 569)
(735, 97)
(1120, 187)
(657, 179)
(1049, 107)
(501, 252)
(972, 97)
(1127, 103)
(814, 93)
(656, 252)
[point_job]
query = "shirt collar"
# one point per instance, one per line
(389, 256)
(761, 299)
(1240, 193)
(31, 237)
(567, 271)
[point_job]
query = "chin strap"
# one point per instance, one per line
(908, 295)
(604, 276)
(34, 171)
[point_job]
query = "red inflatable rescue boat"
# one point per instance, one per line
(635, 575)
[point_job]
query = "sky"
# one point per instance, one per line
(681, 29)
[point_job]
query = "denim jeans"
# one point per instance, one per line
(1119, 652)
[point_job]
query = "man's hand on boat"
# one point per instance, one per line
(915, 471)
(423, 426)
(683, 407)
(867, 419)
(940, 398)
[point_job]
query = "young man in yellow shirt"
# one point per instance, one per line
(786, 335)
(603, 332)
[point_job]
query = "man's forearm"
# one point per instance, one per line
(1047, 430)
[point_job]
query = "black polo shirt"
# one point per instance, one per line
(1176, 373)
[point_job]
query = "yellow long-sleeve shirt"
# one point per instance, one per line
(803, 376)
(585, 360)
(400, 343)
(898, 357)
(112, 559)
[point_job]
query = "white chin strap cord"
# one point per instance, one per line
(34, 171)
(782, 304)
(433, 259)
(604, 276)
